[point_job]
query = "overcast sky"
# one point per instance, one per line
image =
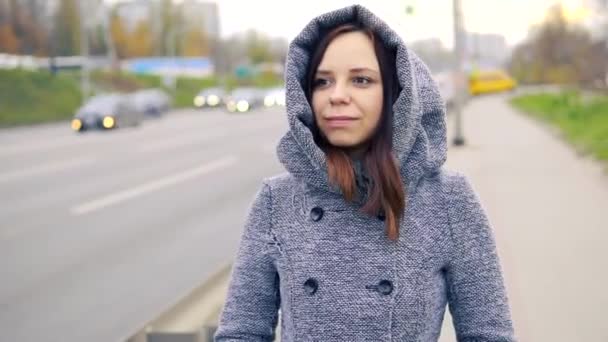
(432, 18)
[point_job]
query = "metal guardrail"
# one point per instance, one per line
(8, 61)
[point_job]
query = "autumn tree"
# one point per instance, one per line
(168, 26)
(195, 44)
(135, 43)
(558, 51)
(97, 41)
(139, 42)
(8, 42)
(258, 47)
(21, 31)
(66, 36)
(119, 36)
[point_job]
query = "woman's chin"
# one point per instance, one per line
(348, 145)
(342, 143)
(342, 140)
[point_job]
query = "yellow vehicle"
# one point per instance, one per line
(491, 81)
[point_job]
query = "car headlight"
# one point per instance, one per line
(108, 122)
(242, 106)
(76, 124)
(213, 100)
(199, 101)
(269, 101)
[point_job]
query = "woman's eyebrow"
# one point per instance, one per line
(324, 72)
(363, 69)
(352, 70)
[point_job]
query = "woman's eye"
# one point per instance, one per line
(362, 80)
(320, 82)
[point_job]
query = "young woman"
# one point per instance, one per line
(366, 237)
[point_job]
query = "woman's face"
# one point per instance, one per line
(347, 91)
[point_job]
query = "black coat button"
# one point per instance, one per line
(311, 286)
(385, 287)
(316, 214)
(381, 216)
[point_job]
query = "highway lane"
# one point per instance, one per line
(99, 233)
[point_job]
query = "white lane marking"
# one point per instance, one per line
(143, 189)
(45, 168)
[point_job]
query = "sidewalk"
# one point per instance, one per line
(549, 211)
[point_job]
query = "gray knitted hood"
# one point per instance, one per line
(419, 135)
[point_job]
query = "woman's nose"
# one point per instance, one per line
(339, 95)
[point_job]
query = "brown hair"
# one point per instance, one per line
(386, 193)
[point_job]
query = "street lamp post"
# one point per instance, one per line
(109, 40)
(459, 80)
(604, 14)
(174, 31)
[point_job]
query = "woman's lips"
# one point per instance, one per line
(339, 121)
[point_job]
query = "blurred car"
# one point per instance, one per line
(210, 97)
(106, 112)
(490, 81)
(244, 99)
(152, 102)
(275, 97)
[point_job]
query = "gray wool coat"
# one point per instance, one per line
(329, 268)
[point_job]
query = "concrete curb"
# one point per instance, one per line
(193, 318)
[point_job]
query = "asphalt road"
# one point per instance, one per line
(102, 231)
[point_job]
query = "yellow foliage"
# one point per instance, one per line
(8, 41)
(195, 44)
(138, 43)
